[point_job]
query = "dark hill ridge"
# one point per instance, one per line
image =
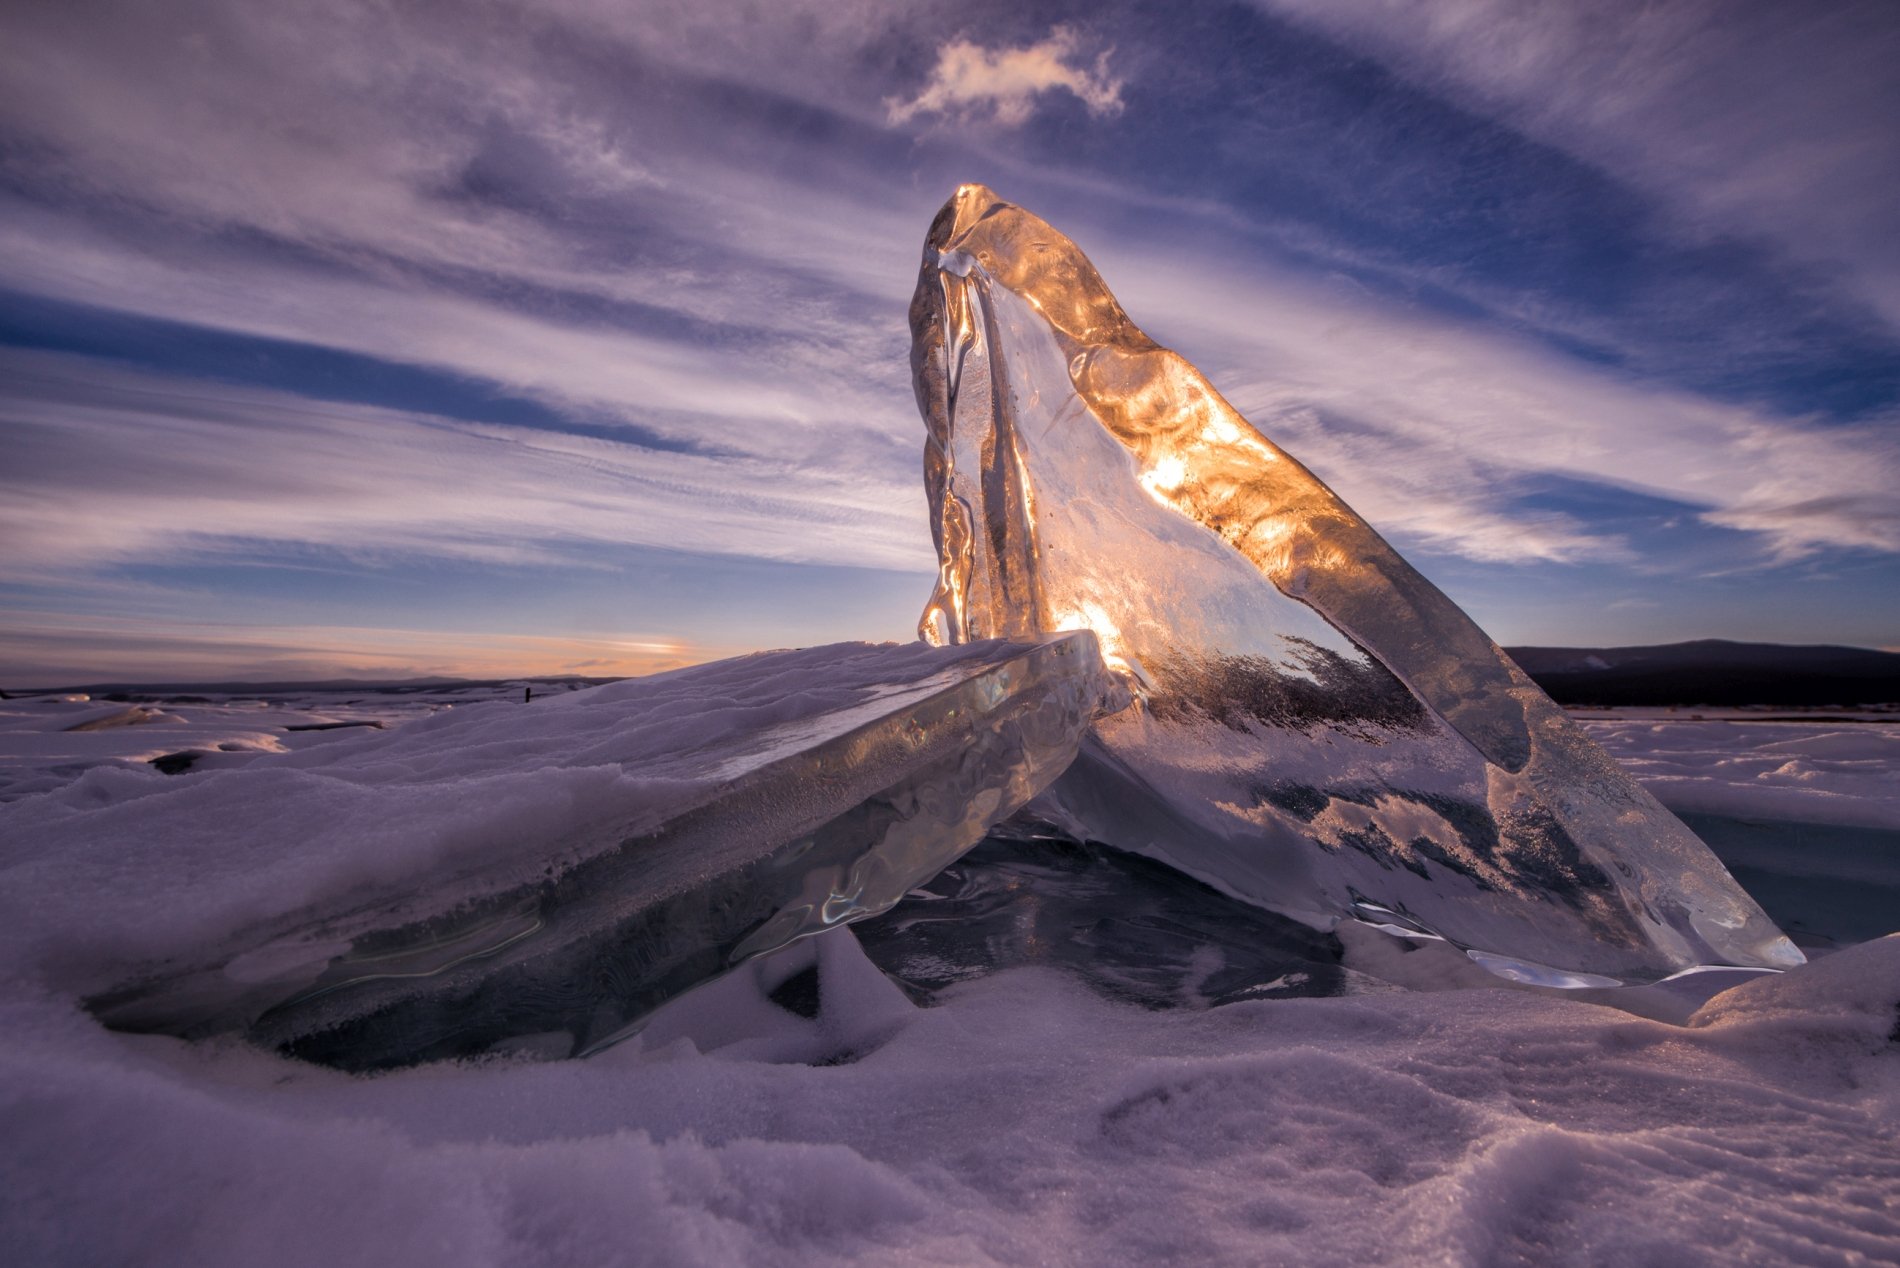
(1713, 671)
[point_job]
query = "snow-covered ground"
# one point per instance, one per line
(1734, 762)
(1024, 1120)
(1023, 1117)
(1805, 814)
(49, 739)
(1825, 770)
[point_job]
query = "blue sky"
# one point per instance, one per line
(380, 340)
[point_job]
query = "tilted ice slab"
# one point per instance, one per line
(541, 875)
(1321, 731)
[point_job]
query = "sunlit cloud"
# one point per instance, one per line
(50, 649)
(1007, 83)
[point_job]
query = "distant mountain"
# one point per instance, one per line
(1713, 671)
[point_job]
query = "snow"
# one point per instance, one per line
(1022, 1117)
(1809, 772)
(1025, 1119)
(48, 740)
(1805, 814)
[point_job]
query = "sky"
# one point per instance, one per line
(394, 339)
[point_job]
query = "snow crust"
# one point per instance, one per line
(49, 739)
(1808, 772)
(1024, 1120)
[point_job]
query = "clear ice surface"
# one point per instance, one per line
(739, 838)
(1131, 928)
(1318, 729)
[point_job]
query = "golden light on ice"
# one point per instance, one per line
(1081, 476)
(1085, 614)
(1166, 475)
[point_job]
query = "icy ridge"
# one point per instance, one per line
(1322, 730)
(650, 849)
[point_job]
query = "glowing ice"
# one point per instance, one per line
(1320, 730)
(645, 836)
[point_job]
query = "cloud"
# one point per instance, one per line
(46, 649)
(422, 186)
(107, 466)
(969, 80)
(1439, 430)
(421, 148)
(1757, 119)
(651, 215)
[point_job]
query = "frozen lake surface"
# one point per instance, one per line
(1071, 1056)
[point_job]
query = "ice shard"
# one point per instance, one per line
(1319, 730)
(628, 842)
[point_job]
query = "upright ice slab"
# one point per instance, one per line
(545, 875)
(1320, 730)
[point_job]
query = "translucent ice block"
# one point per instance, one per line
(735, 808)
(1319, 730)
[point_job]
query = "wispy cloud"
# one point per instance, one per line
(1007, 83)
(1436, 429)
(1757, 119)
(109, 467)
(49, 649)
(687, 243)
(392, 223)
(315, 173)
